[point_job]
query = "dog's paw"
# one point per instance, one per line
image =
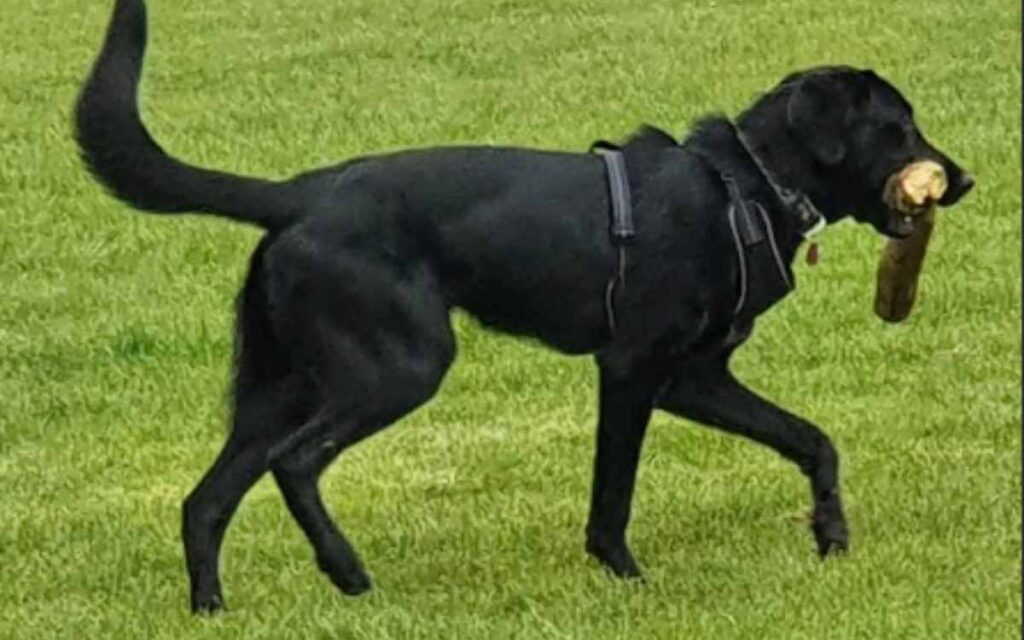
(345, 571)
(351, 581)
(207, 605)
(616, 559)
(833, 538)
(829, 526)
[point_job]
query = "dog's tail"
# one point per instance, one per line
(119, 151)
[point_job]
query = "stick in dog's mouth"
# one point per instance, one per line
(912, 192)
(911, 195)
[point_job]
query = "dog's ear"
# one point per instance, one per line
(815, 114)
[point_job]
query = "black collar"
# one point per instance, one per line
(812, 221)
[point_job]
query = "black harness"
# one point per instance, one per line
(764, 276)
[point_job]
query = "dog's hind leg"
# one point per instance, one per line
(403, 387)
(378, 346)
(263, 406)
(297, 473)
(208, 509)
(267, 397)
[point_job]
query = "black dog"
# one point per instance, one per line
(343, 321)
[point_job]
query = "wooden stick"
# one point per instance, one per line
(912, 192)
(900, 269)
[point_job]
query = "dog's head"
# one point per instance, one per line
(855, 131)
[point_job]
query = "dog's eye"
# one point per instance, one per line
(894, 134)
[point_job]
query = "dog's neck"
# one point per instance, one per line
(728, 150)
(810, 221)
(767, 136)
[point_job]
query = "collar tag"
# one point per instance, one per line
(812, 254)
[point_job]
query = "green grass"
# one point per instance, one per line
(115, 338)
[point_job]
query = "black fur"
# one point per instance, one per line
(343, 322)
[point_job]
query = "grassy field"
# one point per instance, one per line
(115, 338)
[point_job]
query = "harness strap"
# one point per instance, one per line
(749, 231)
(741, 258)
(622, 230)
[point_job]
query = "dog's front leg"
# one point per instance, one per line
(626, 401)
(708, 393)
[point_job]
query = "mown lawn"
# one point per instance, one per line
(115, 338)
